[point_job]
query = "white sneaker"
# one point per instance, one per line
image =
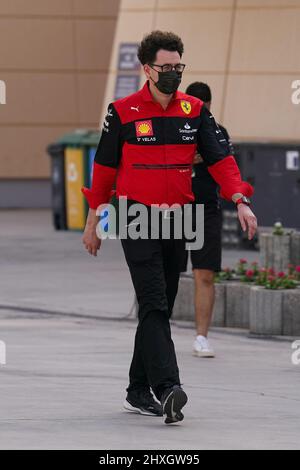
(202, 347)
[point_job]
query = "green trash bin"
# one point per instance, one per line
(68, 171)
(72, 163)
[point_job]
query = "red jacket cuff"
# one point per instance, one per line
(227, 174)
(101, 190)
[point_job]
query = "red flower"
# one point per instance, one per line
(298, 269)
(281, 274)
(271, 278)
(271, 271)
(249, 273)
(243, 261)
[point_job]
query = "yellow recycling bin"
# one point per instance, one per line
(74, 174)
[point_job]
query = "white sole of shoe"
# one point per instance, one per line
(128, 407)
(203, 354)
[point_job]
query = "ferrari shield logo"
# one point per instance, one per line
(186, 106)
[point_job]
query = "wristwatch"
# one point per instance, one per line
(243, 200)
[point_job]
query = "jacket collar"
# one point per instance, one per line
(147, 96)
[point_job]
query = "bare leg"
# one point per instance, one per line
(204, 299)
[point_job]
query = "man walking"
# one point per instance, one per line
(148, 142)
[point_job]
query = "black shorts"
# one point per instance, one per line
(210, 255)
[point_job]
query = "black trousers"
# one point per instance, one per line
(154, 265)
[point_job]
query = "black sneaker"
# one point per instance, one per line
(142, 401)
(173, 400)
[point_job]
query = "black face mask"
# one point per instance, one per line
(168, 82)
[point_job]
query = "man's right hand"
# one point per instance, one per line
(197, 159)
(90, 239)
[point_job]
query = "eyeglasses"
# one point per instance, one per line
(169, 67)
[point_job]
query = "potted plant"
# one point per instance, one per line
(279, 248)
(268, 300)
(237, 294)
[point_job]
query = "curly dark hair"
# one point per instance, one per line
(155, 41)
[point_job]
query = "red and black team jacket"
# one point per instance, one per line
(150, 151)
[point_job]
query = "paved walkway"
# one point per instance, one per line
(64, 381)
(65, 378)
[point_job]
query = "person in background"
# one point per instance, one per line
(207, 261)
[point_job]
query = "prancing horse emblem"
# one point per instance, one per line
(186, 106)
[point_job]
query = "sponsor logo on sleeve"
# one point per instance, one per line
(109, 114)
